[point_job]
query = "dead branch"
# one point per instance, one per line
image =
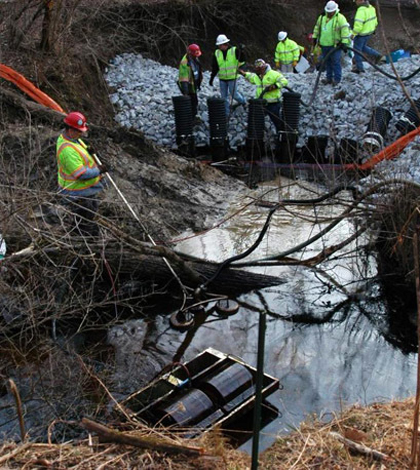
(111, 435)
(360, 448)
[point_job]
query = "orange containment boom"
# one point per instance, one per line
(387, 153)
(29, 88)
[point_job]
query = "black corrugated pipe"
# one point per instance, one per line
(184, 125)
(314, 150)
(255, 130)
(411, 119)
(218, 128)
(377, 128)
(291, 111)
(288, 136)
(347, 152)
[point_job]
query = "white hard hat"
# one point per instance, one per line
(331, 6)
(282, 35)
(222, 39)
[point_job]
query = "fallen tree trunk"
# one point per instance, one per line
(146, 263)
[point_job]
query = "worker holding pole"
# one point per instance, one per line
(79, 175)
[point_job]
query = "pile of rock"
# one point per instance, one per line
(143, 91)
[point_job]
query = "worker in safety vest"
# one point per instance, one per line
(332, 33)
(227, 61)
(269, 85)
(191, 75)
(287, 53)
(79, 176)
(365, 23)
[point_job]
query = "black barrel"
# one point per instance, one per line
(255, 147)
(256, 121)
(314, 150)
(218, 128)
(226, 385)
(377, 127)
(217, 118)
(291, 111)
(183, 116)
(411, 120)
(189, 409)
(184, 125)
(347, 152)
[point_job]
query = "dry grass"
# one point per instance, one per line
(384, 428)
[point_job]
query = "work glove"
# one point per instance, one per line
(211, 81)
(90, 149)
(295, 63)
(343, 47)
(103, 168)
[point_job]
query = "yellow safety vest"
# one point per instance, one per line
(228, 68)
(72, 160)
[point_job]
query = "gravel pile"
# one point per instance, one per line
(143, 91)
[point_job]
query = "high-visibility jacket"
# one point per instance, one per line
(365, 21)
(332, 31)
(287, 52)
(271, 77)
(186, 74)
(228, 68)
(73, 161)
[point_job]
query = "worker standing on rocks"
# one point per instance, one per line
(365, 23)
(332, 30)
(287, 53)
(269, 85)
(79, 176)
(191, 75)
(226, 63)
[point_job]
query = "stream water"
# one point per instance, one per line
(329, 337)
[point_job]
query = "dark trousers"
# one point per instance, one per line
(273, 112)
(194, 103)
(84, 210)
(333, 63)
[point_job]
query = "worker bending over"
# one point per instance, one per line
(191, 75)
(331, 31)
(79, 176)
(227, 61)
(287, 53)
(365, 23)
(269, 85)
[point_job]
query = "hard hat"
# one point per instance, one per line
(77, 121)
(282, 35)
(260, 64)
(331, 6)
(194, 50)
(222, 39)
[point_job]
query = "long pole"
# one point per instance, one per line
(258, 389)
(133, 212)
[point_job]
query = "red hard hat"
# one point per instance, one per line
(194, 49)
(77, 121)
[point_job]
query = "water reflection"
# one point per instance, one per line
(329, 338)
